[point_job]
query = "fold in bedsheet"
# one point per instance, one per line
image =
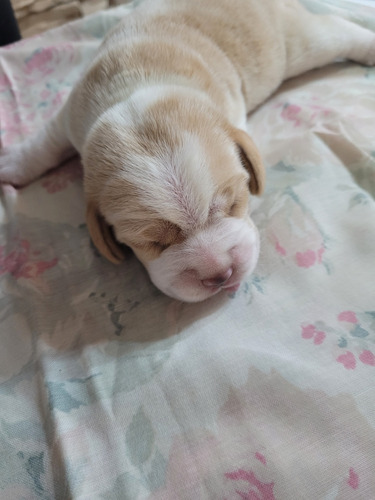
(110, 390)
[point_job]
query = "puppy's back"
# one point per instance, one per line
(215, 46)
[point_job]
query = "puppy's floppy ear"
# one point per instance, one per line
(102, 235)
(251, 160)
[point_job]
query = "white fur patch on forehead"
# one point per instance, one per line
(184, 185)
(174, 184)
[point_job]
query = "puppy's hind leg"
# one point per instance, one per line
(24, 162)
(314, 40)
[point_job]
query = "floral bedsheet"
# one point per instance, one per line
(110, 390)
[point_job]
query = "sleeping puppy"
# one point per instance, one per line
(159, 119)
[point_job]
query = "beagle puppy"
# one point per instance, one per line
(159, 119)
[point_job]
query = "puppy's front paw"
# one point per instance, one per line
(13, 167)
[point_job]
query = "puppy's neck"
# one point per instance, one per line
(145, 98)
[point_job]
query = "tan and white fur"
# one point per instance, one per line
(159, 120)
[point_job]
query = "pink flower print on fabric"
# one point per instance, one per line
(291, 113)
(258, 489)
(347, 360)
(261, 458)
(20, 263)
(306, 259)
(355, 324)
(40, 61)
(356, 330)
(367, 358)
(348, 316)
(5, 83)
(319, 337)
(12, 125)
(310, 332)
(353, 480)
(296, 236)
(280, 249)
(309, 257)
(44, 60)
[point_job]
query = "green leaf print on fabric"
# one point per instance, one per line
(359, 199)
(24, 430)
(125, 487)
(11, 468)
(143, 454)
(35, 468)
(19, 467)
(156, 477)
(342, 342)
(140, 438)
(283, 167)
(359, 332)
(60, 399)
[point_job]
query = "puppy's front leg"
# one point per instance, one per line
(23, 162)
(314, 40)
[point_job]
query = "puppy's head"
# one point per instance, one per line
(172, 181)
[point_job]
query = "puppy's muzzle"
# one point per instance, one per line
(216, 258)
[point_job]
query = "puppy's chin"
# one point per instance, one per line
(213, 260)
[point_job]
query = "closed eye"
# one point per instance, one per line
(156, 237)
(157, 245)
(233, 207)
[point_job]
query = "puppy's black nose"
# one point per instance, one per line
(219, 279)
